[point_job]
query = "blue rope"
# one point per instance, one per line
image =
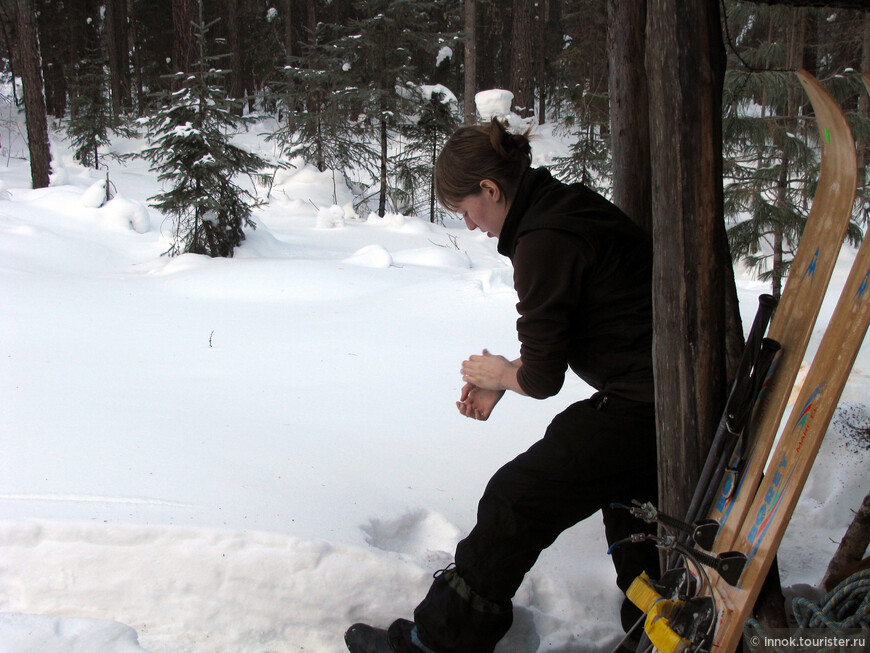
(846, 606)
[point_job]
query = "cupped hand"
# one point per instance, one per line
(478, 403)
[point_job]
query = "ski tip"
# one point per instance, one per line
(832, 122)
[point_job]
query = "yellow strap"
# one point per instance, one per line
(642, 593)
(658, 610)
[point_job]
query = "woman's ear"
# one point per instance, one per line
(491, 190)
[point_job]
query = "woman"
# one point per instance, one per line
(583, 274)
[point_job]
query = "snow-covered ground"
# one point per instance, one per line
(251, 454)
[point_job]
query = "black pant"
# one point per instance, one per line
(597, 452)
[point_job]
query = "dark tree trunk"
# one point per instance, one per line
(522, 69)
(311, 23)
(382, 198)
(629, 110)
(52, 17)
(541, 58)
(494, 60)
(84, 41)
(136, 46)
(118, 49)
(686, 66)
(470, 61)
(289, 45)
(233, 27)
(4, 20)
(34, 100)
(185, 14)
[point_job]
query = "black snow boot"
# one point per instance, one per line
(362, 638)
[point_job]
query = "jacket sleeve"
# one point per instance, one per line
(549, 271)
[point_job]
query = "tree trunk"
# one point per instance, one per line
(494, 62)
(864, 104)
(629, 110)
(137, 61)
(541, 58)
(382, 200)
(117, 39)
(233, 27)
(287, 14)
(686, 66)
(34, 100)
(311, 23)
(185, 14)
(9, 55)
(51, 19)
(777, 266)
(853, 547)
(470, 61)
(522, 71)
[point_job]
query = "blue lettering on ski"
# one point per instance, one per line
(806, 414)
(811, 268)
(862, 289)
(768, 509)
(727, 487)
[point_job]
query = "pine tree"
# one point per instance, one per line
(589, 160)
(324, 123)
(426, 133)
(582, 96)
(190, 149)
(388, 55)
(90, 112)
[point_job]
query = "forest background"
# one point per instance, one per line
(371, 89)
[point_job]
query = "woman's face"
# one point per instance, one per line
(485, 210)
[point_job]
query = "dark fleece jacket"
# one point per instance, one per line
(583, 274)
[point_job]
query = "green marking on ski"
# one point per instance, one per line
(827, 135)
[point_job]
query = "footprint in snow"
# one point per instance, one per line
(416, 533)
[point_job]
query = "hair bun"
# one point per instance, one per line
(511, 147)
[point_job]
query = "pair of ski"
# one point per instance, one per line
(740, 511)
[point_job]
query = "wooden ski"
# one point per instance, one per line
(762, 531)
(794, 320)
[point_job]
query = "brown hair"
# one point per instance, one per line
(480, 152)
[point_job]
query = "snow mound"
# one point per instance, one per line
(495, 281)
(127, 213)
(31, 632)
(59, 175)
(192, 589)
(309, 186)
(436, 257)
(494, 103)
(371, 256)
(330, 218)
(95, 196)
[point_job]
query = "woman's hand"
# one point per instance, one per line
(478, 403)
(489, 372)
